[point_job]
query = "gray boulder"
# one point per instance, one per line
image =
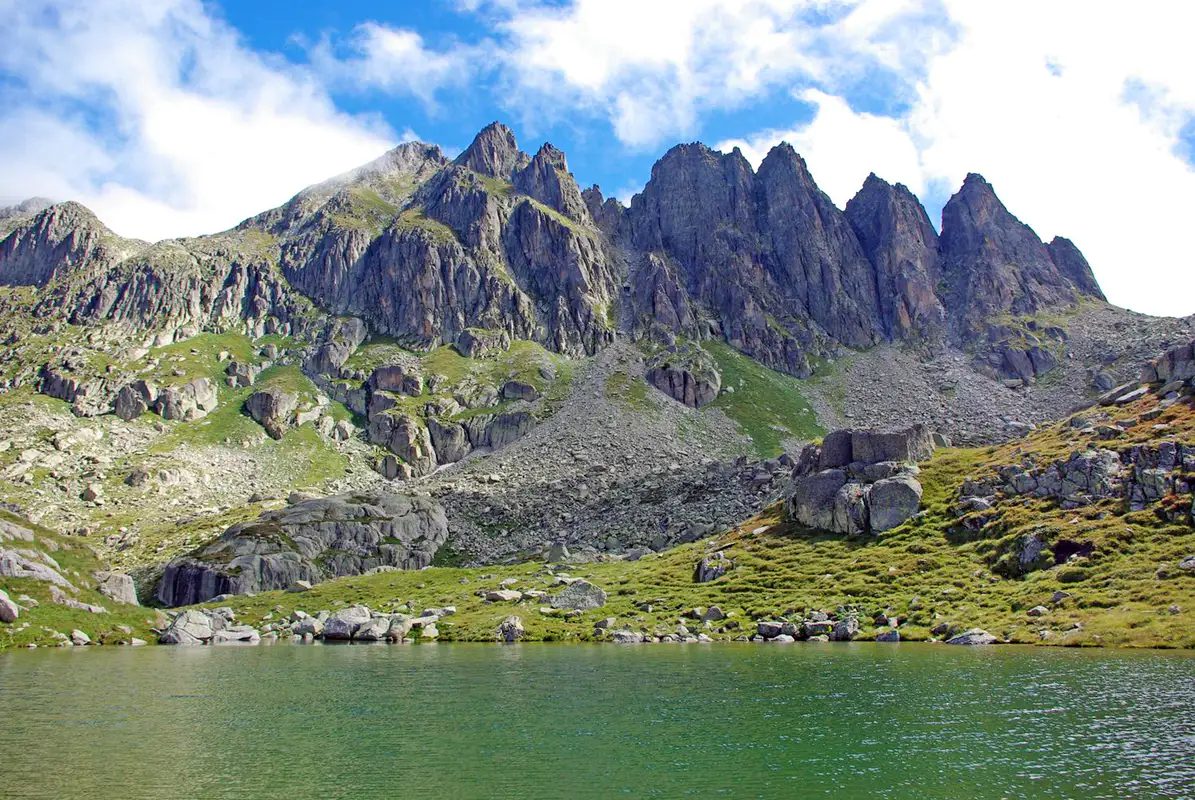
(511, 629)
(375, 629)
(892, 501)
(273, 409)
(975, 636)
(519, 390)
(345, 623)
(845, 629)
(686, 373)
(117, 585)
(9, 611)
(187, 402)
(192, 627)
(580, 596)
(813, 499)
(236, 634)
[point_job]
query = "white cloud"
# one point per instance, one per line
(396, 60)
(1068, 152)
(653, 68)
(841, 147)
(156, 116)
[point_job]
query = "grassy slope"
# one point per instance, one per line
(78, 562)
(923, 571)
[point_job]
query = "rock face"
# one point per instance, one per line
(900, 242)
(312, 540)
(859, 482)
(497, 245)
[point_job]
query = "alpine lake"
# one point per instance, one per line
(579, 721)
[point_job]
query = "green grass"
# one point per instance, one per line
(767, 405)
(415, 218)
(571, 224)
(367, 211)
(77, 561)
(918, 572)
(197, 357)
(495, 186)
(629, 390)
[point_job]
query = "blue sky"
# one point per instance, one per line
(178, 117)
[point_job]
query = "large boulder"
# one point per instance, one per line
(345, 623)
(192, 627)
(272, 408)
(579, 595)
(975, 636)
(189, 401)
(9, 611)
(892, 501)
(686, 373)
(511, 629)
(814, 497)
(313, 540)
(117, 585)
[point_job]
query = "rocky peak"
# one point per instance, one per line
(993, 263)
(58, 239)
(899, 241)
(25, 208)
(494, 152)
(548, 180)
(692, 191)
(814, 251)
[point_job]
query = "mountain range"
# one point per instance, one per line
(551, 368)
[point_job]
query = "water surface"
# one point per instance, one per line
(581, 721)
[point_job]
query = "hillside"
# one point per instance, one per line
(551, 370)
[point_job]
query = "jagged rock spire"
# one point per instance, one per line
(494, 152)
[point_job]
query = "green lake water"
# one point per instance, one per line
(581, 721)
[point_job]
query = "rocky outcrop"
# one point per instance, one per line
(189, 401)
(57, 241)
(313, 540)
(579, 595)
(273, 409)
(685, 373)
(859, 482)
(117, 585)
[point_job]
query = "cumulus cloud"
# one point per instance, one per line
(397, 61)
(158, 117)
(652, 69)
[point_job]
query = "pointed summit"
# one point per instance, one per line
(901, 244)
(548, 180)
(993, 263)
(494, 152)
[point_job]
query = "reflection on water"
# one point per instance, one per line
(546, 721)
